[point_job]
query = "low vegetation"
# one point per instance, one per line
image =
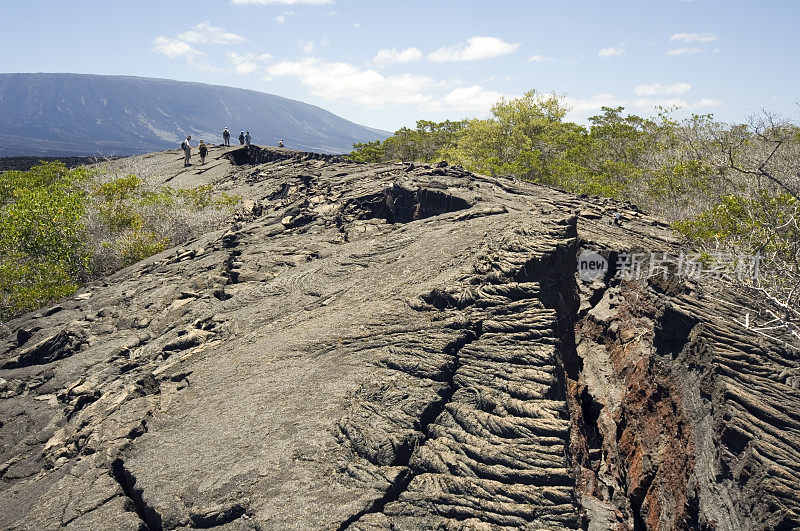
(61, 227)
(729, 189)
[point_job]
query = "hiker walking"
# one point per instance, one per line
(226, 137)
(186, 146)
(247, 138)
(241, 138)
(203, 150)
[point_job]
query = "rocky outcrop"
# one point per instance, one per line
(399, 346)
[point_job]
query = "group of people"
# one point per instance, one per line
(244, 140)
(244, 137)
(186, 146)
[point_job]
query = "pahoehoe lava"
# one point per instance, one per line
(395, 346)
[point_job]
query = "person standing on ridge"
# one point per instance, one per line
(280, 143)
(203, 150)
(241, 138)
(247, 138)
(186, 146)
(226, 137)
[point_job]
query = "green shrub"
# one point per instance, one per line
(118, 189)
(27, 284)
(42, 249)
(60, 228)
(765, 222)
(138, 244)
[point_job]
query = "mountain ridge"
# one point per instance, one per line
(68, 114)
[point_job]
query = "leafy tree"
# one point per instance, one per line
(426, 143)
(526, 137)
(368, 152)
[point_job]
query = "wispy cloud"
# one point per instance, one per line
(333, 81)
(388, 56)
(693, 37)
(205, 33)
(183, 44)
(370, 88)
(306, 46)
(283, 17)
(173, 48)
(684, 51)
(536, 58)
(611, 51)
(248, 63)
(474, 49)
(178, 49)
(656, 89)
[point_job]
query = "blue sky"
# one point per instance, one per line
(386, 64)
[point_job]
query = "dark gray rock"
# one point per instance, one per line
(393, 346)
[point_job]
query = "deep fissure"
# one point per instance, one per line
(398, 204)
(127, 482)
(251, 155)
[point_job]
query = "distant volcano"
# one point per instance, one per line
(82, 114)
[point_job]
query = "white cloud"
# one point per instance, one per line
(611, 51)
(248, 63)
(285, 2)
(694, 37)
(467, 99)
(306, 46)
(333, 81)
(388, 56)
(205, 33)
(181, 45)
(475, 49)
(536, 58)
(173, 48)
(684, 51)
(176, 48)
(656, 89)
